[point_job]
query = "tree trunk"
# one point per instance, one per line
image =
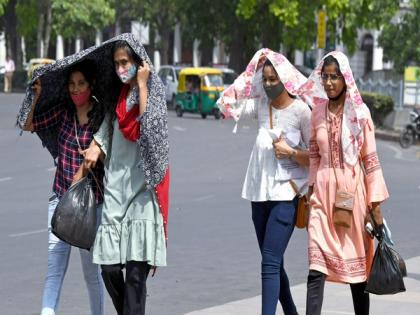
(237, 50)
(165, 37)
(47, 27)
(206, 48)
(13, 44)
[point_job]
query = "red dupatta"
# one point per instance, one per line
(127, 121)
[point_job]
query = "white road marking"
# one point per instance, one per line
(27, 233)
(4, 179)
(51, 169)
(178, 128)
(202, 198)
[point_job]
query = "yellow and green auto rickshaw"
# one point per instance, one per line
(198, 90)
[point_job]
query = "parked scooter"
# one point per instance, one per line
(411, 132)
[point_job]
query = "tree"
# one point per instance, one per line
(401, 40)
(11, 35)
(162, 15)
(27, 16)
(79, 17)
(345, 17)
(2, 6)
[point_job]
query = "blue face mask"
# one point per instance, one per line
(128, 74)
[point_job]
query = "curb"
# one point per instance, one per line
(387, 135)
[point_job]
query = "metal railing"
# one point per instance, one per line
(394, 89)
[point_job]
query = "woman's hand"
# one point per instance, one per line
(81, 172)
(91, 155)
(377, 213)
(143, 73)
(281, 149)
(36, 88)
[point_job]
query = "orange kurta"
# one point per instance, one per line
(343, 254)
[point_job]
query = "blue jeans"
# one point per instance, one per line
(58, 260)
(274, 223)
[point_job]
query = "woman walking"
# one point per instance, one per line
(133, 141)
(277, 168)
(79, 117)
(343, 158)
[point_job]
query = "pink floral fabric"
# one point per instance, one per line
(355, 114)
(248, 87)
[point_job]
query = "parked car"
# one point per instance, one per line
(169, 75)
(229, 76)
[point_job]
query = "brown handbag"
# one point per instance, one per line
(302, 211)
(344, 203)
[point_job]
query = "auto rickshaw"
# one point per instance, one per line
(36, 63)
(198, 90)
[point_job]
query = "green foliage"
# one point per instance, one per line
(27, 16)
(379, 105)
(3, 4)
(298, 18)
(401, 40)
(80, 17)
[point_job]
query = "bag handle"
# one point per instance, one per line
(89, 170)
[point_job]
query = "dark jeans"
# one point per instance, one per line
(129, 296)
(315, 295)
(274, 223)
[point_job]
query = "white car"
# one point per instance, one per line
(229, 76)
(169, 76)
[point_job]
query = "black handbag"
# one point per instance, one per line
(75, 217)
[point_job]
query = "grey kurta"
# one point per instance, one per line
(132, 225)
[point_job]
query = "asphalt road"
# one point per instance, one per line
(212, 252)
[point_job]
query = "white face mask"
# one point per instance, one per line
(128, 74)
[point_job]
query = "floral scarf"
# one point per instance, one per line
(355, 111)
(248, 87)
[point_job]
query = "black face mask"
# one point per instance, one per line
(273, 91)
(339, 95)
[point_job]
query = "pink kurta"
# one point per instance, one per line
(343, 254)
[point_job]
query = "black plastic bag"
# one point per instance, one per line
(386, 275)
(74, 219)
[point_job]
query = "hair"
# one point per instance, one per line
(122, 44)
(330, 60)
(268, 63)
(110, 110)
(88, 69)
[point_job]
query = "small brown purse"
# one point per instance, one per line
(344, 204)
(302, 208)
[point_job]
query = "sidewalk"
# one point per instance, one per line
(337, 299)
